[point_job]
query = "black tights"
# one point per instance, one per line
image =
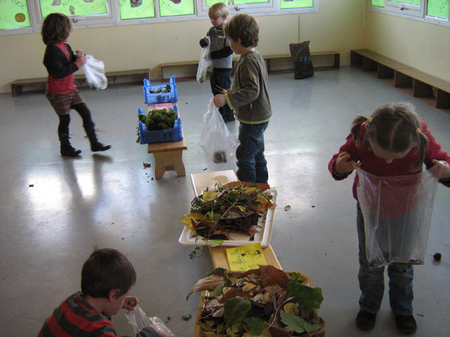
(83, 111)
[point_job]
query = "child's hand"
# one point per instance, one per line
(161, 331)
(81, 61)
(130, 302)
(207, 39)
(342, 165)
(219, 101)
(442, 170)
(80, 53)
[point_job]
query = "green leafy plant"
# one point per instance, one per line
(260, 302)
(297, 323)
(167, 88)
(158, 119)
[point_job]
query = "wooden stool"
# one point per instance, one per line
(168, 157)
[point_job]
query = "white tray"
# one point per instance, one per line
(188, 237)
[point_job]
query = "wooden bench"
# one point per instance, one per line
(370, 61)
(423, 85)
(168, 157)
(184, 70)
(316, 58)
(187, 70)
(201, 181)
(17, 85)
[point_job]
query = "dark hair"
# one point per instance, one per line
(56, 28)
(105, 270)
(395, 127)
(244, 27)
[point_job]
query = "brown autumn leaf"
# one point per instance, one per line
(208, 283)
(273, 276)
(261, 186)
(231, 293)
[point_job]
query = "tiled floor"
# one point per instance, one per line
(53, 210)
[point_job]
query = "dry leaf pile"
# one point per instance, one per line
(261, 302)
(234, 207)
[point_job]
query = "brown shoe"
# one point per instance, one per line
(406, 324)
(365, 320)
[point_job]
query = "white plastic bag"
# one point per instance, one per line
(217, 141)
(139, 320)
(205, 66)
(397, 216)
(95, 73)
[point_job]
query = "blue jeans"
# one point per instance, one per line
(221, 79)
(371, 280)
(252, 165)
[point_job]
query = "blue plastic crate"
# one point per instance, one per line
(160, 97)
(159, 136)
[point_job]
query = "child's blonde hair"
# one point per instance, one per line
(218, 10)
(394, 127)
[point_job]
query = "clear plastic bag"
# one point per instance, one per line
(205, 66)
(397, 216)
(94, 71)
(217, 141)
(139, 320)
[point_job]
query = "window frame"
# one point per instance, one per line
(87, 21)
(424, 17)
(113, 16)
(437, 20)
(269, 6)
(407, 9)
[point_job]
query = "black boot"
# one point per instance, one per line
(95, 144)
(66, 148)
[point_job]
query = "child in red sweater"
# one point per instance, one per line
(61, 62)
(392, 142)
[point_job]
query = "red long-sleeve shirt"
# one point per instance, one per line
(76, 317)
(378, 167)
(59, 59)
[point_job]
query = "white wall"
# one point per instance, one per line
(419, 45)
(337, 26)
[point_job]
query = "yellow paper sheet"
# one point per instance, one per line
(247, 257)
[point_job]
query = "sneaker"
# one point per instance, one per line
(365, 320)
(406, 324)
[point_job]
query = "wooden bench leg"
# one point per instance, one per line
(369, 65)
(422, 89)
(178, 164)
(160, 167)
(169, 161)
(402, 80)
(16, 89)
(355, 58)
(337, 61)
(442, 99)
(384, 72)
